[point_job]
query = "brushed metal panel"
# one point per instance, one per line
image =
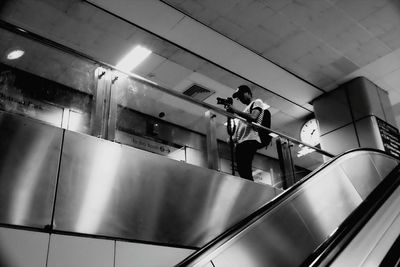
(20, 248)
(364, 99)
(368, 133)
(371, 244)
(325, 202)
(80, 252)
(387, 107)
(28, 170)
(113, 190)
(362, 173)
(279, 239)
(143, 255)
(383, 163)
(334, 101)
(286, 235)
(340, 140)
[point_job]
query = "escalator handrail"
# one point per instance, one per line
(331, 248)
(260, 212)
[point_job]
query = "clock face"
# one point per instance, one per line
(309, 132)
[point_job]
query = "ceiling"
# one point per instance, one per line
(307, 47)
(324, 42)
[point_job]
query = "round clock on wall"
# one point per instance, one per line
(309, 132)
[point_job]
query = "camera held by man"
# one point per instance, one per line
(225, 101)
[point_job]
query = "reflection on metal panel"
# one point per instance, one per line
(364, 181)
(113, 190)
(28, 170)
(289, 233)
(270, 243)
(326, 202)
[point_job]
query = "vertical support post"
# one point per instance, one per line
(101, 109)
(285, 162)
(113, 107)
(212, 144)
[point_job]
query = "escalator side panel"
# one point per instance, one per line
(371, 244)
(326, 203)
(366, 180)
(383, 164)
(264, 245)
(315, 210)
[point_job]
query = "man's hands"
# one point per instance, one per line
(229, 109)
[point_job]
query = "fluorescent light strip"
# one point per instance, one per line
(136, 56)
(15, 54)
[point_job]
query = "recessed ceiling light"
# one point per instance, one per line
(15, 54)
(136, 56)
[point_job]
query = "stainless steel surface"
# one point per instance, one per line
(368, 133)
(28, 170)
(278, 240)
(307, 217)
(212, 144)
(118, 191)
(20, 248)
(340, 140)
(364, 98)
(332, 111)
(371, 244)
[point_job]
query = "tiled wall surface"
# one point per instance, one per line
(35, 249)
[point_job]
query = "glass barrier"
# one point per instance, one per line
(280, 164)
(41, 86)
(168, 106)
(152, 120)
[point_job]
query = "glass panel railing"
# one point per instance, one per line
(41, 86)
(158, 122)
(280, 164)
(168, 107)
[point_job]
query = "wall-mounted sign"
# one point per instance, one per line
(390, 138)
(144, 143)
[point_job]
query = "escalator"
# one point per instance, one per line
(297, 225)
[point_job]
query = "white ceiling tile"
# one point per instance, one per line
(393, 79)
(186, 60)
(384, 65)
(221, 7)
(170, 74)
(191, 7)
(207, 16)
(394, 97)
(383, 19)
(203, 41)
(156, 16)
(249, 13)
(227, 27)
(258, 39)
(391, 38)
(277, 4)
(294, 89)
(359, 9)
(349, 37)
(303, 12)
(279, 25)
(148, 66)
(368, 52)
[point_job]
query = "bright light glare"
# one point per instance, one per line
(273, 135)
(15, 54)
(136, 56)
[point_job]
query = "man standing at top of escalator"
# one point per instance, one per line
(246, 138)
